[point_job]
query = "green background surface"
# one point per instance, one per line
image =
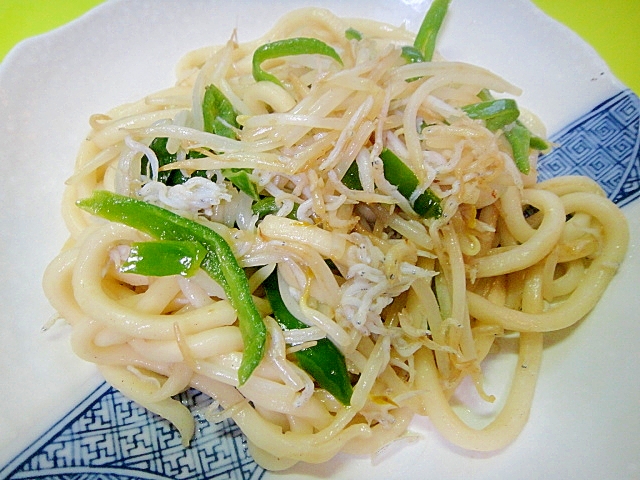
(612, 27)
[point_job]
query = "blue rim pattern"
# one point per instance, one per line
(604, 145)
(108, 437)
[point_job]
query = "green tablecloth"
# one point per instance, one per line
(611, 27)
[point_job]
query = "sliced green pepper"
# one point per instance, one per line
(221, 118)
(219, 262)
(218, 113)
(425, 41)
(496, 113)
(411, 54)
(519, 138)
(352, 34)
(503, 114)
(267, 206)
(536, 142)
(285, 48)
(164, 257)
(351, 177)
(397, 173)
(323, 361)
(169, 177)
(485, 95)
(240, 177)
(427, 205)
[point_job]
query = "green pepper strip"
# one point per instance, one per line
(218, 113)
(495, 113)
(164, 257)
(411, 54)
(220, 262)
(241, 178)
(323, 361)
(503, 113)
(351, 177)
(267, 206)
(352, 34)
(285, 48)
(485, 95)
(221, 118)
(174, 176)
(427, 205)
(168, 177)
(519, 138)
(425, 41)
(537, 143)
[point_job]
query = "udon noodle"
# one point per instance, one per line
(414, 304)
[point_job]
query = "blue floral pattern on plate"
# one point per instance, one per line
(109, 437)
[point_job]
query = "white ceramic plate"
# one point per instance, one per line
(56, 416)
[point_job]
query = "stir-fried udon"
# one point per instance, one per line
(326, 230)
